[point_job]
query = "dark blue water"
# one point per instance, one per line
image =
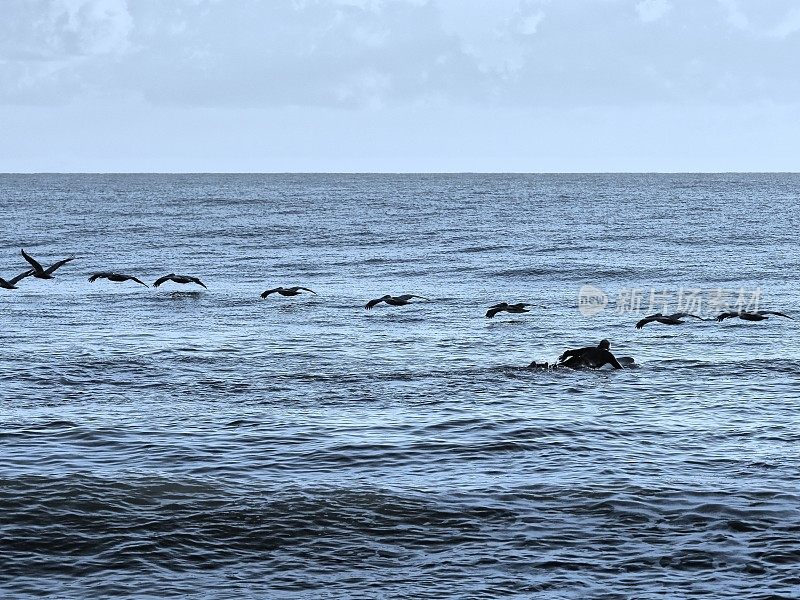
(225, 446)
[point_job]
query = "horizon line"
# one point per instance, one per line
(399, 172)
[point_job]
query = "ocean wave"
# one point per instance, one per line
(136, 532)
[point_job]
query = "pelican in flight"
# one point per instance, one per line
(673, 319)
(179, 279)
(505, 307)
(292, 291)
(758, 315)
(393, 300)
(115, 277)
(39, 271)
(11, 284)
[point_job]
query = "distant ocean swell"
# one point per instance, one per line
(572, 535)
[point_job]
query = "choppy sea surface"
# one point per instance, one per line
(223, 446)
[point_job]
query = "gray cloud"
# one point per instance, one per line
(372, 53)
(63, 30)
(310, 53)
(398, 84)
(652, 10)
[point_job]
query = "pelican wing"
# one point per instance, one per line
(9, 285)
(306, 289)
(137, 280)
(406, 297)
(96, 276)
(266, 293)
(375, 302)
(161, 280)
(774, 312)
(645, 321)
(494, 310)
(681, 315)
(33, 262)
(21, 276)
(727, 315)
(196, 280)
(49, 270)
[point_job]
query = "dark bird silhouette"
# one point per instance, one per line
(592, 357)
(292, 291)
(11, 284)
(505, 307)
(115, 277)
(673, 319)
(759, 315)
(393, 300)
(39, 271)
(179, 279)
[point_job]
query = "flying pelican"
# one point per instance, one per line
(115, 277)
(179, 279)
(504, 306)
(393, 300)
(11, 284)
(758, 315)
(292, 291)
(673, 319)
(39, 271)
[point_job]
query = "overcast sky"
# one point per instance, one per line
(402, 85)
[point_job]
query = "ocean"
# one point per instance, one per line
(156, 444)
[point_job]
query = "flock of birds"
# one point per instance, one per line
(37, 270)
(677, 318)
